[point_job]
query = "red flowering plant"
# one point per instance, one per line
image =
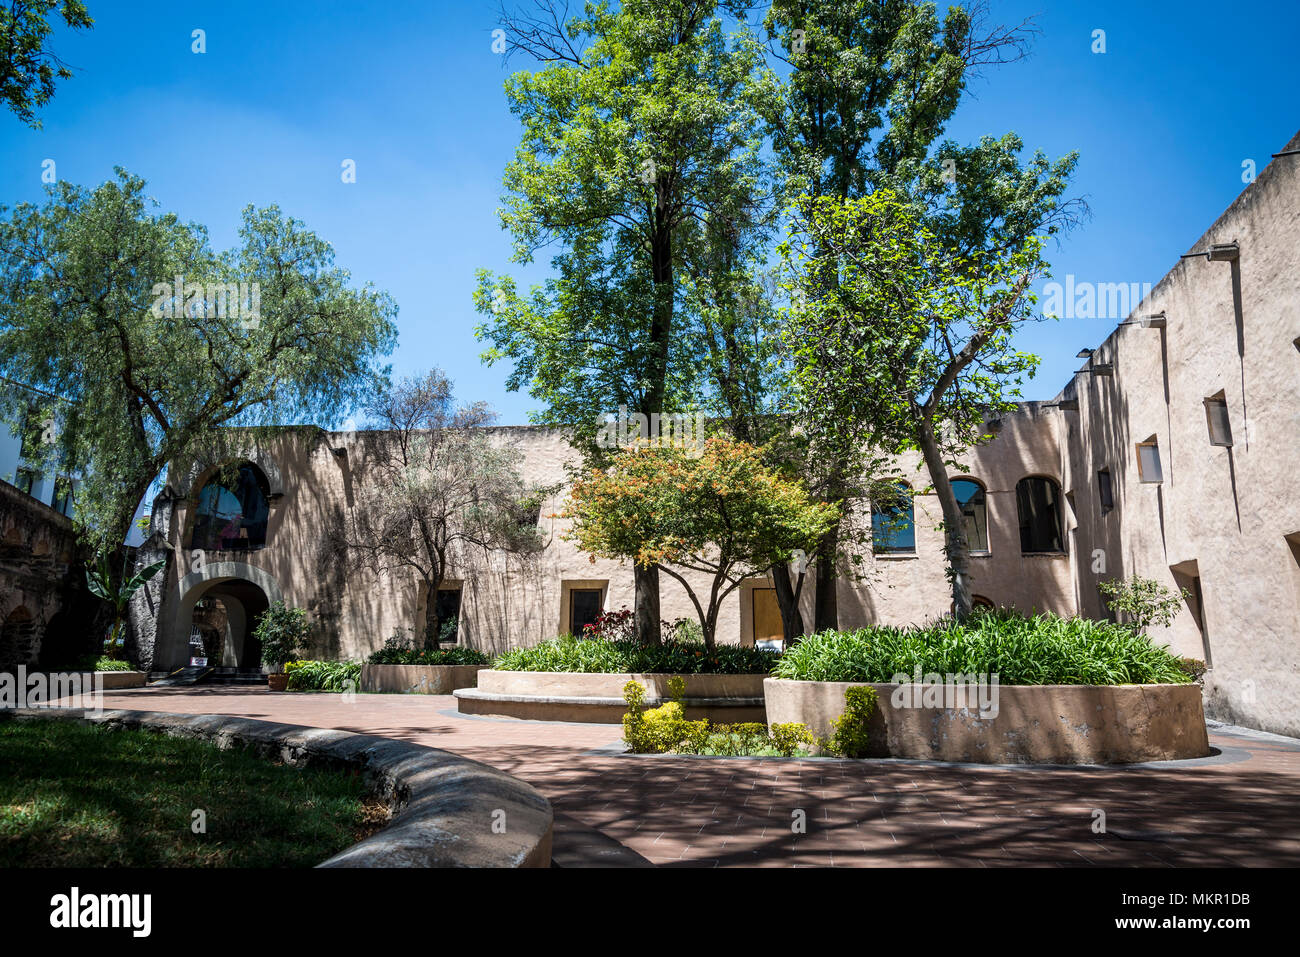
(612, 625)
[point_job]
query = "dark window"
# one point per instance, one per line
(63, 495)
(448, 608)
(979, 601)
(584, 608)
(25, 480)
(1105, 491)
(1038, 500)
(974, 511)
(232, 512)
(893, 528)
(1216, 419)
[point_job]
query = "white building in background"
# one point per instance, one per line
(19, 466)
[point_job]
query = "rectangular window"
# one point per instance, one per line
(1216, 418)
(62, 495)
(1105, 490)
(1148, 454)
(448, 608)
(584, 608)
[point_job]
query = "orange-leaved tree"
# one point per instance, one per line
(709, 518)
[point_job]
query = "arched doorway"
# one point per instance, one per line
(243, 591)
(222, 623)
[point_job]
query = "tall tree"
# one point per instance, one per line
(910, 337)
(156, 345)
(871, 86)
(437, 487)
(28, 67)
(639, 130)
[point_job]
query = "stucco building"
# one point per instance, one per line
(1171, 455)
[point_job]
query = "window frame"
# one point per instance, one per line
(1144, 475)
(1216, 406)
(887, 552)
(984, 502)
(1058, 507)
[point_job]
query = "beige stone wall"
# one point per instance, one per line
(1221, 514)
(508, 602)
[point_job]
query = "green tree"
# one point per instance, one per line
(153, 374)
(1144, 601)
(899, 331)
(722, 513)
(28, 68)
(640, 135)
(871, 86)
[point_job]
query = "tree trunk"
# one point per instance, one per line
(826, 615)
(955, 544)
(792, 626)
(647, 605)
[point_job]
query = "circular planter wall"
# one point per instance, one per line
(1020, 724)
(570, 696)
(444, 806)
(419, 679)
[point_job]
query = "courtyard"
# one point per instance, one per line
(1233, 809)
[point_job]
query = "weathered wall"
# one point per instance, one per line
(1229, 516)
(46, 613)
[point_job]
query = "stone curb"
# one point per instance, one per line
(446, 809)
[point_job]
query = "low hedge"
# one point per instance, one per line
(423, 656)
(1020, 650)
(323, 675)
(603, 656)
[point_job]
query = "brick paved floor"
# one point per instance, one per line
(1237, 808)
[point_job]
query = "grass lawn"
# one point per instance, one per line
(75, 795)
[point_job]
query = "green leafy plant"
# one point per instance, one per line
(1020, 650)
(401, 648)
(666, 730)
(117, 592)
(850, 731)
(283, 633)
(598, 655)
(1143, 601)
(323, 675)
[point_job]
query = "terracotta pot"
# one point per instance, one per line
(277, 682)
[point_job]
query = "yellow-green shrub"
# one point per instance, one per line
(849, 737)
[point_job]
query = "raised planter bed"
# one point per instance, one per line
(1032, 724)
(443, 805)
(115, 680)
(419, 679)
(598, 698)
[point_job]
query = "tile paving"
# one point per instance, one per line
(1238, 808)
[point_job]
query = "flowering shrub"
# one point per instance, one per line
(612, 625)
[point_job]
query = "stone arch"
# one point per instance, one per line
(191, 481)
(198, 584)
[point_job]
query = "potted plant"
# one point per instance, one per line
(282, 632)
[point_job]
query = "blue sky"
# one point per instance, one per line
(412, 92)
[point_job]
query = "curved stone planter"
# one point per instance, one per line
(1028, 724)
(419, 679)
(444, 806)
(570, 696)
